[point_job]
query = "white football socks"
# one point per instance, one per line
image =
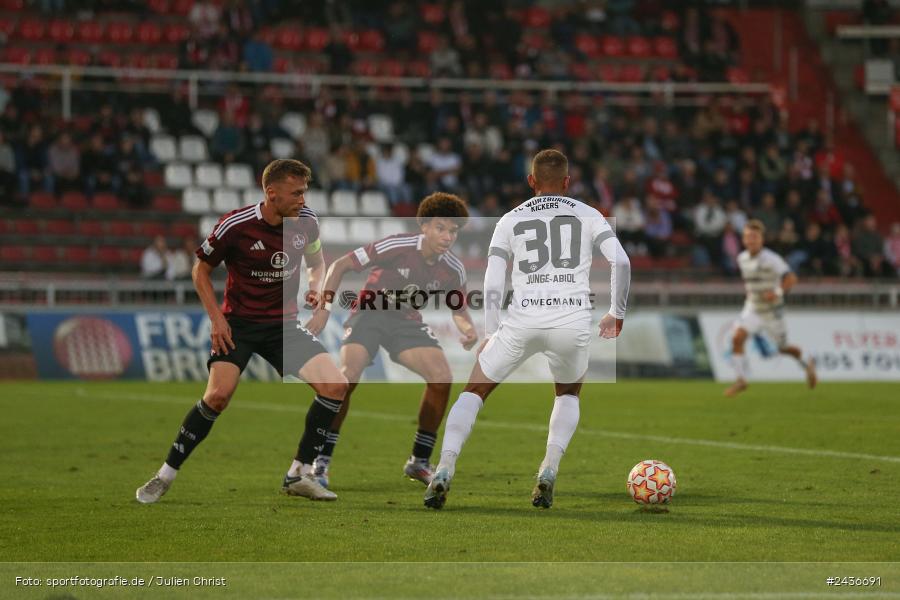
(739, 363)
(167, 473)
(563, 422)
(459, 425)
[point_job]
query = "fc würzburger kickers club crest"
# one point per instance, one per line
(299, 241)
(280, 260)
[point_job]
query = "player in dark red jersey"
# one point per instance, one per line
(403, 266)
(259, 316)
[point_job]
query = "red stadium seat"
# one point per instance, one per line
(175, 33)
(665, 47)
(131, 256)
(392, 68)
(61, 32)
(74, 201)
(181, 7)
(582, 71)
(110, 59)
(316, 39)
(670, 21)
(432, 14)
(737, 75)
(166, 61)
(45, 254)
(859, 77)
(167, 204)
(633, 73)
(282, 65)
(609, 72)
(12, 5)
(428, 41)
(76, 56)
(159, 6)
(638, 47)
(44, 56)
(371, 40)
(152, 229)
(149, 33)
(91, 32)
(17, 55)
(26, 227)
(351, 40)
(105, 202)
(13, 254)
(91, 228)
(538, 40)
(153, 179)
(42, 201)
(59, 227)
(365, 68)
(587, 44)
(537, 17)
(418, 68)
(289, 38)
(7, 27)
(122, 229)
(120, 33)
(109, 255)
(660, 73)
(185, 229)
(268, 35)
(613, 46)
(500, 70)
(32, 30)
(76, 254)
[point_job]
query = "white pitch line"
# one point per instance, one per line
(488, 423)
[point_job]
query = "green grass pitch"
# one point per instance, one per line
(779, 474)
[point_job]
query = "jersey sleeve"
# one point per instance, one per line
(314, 243)
(779, 265)
(600, 228)
(380, 252)
(500, 241)
(213, 249)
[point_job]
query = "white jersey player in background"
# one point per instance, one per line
(548, 241)
(767, 277)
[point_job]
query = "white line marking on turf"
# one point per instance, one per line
(823, 453)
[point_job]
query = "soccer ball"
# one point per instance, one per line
(651, 482)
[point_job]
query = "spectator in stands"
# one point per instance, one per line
(99, 166)
(444, 166)
(390, 173)
(258, 55)
(868, 247)
(140, 134)
(629, 224)
(768, 214)
(176, 114)
(892, 248)
(7, 169)
(339, 55)
(848, 264)
(445, 60)
(234, 104)
(731, 248)
(316, 142)
(735, 216)
(658, 229)
(130, 175)
(64, 162)
(400, 27)
(709, 222)
(787, 240)
(179, 261)
(824, 212)
(227, 142)
(33, 170)
(360, 167)
(480, 131)
(205, 18)
(154, 259)
(772, 169)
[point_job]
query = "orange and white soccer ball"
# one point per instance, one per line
(651, 482)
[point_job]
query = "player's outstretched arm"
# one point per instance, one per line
(315, 269)
(333, 278)
(220, 330)
(619, 282)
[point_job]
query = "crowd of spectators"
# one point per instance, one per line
(160, 262)
(470, 38)
(38, 153)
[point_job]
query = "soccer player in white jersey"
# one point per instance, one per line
(767, 277)
(548, 241)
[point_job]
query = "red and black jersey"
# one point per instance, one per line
(398, 265)
(263, 261)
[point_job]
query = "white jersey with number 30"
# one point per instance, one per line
(549, 242)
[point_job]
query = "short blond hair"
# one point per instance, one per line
(550, 166)
(755, 225)
(282, 168)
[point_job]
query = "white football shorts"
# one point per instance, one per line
(567, 349)
(770, 322)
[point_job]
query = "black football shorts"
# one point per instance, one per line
(377, 328)
(287, 346)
